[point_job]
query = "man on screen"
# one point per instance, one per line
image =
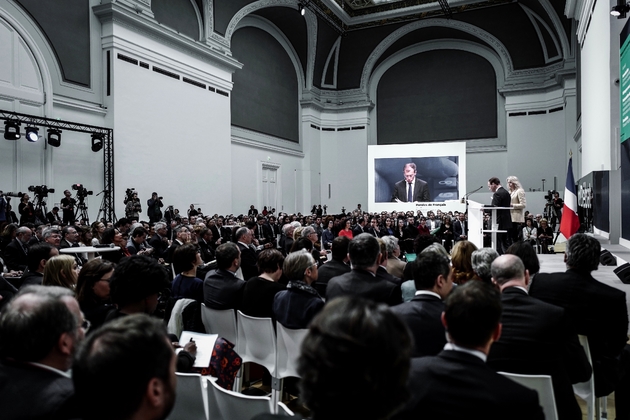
(411, 188)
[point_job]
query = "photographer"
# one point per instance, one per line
(26, 209)
(133, 207)
(558, 204)
(153, 210)
(67, 206)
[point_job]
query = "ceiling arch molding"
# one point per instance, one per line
(537, 22)
(499, 49)
(477, 145)
(558, 28)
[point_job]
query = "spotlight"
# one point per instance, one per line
(54, 137)
(31, 134)
(301, 9)
(620, 10)
(97, 142)
(11, 130)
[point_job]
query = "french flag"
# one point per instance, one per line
(570, 222)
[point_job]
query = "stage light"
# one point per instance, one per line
(54, 137)
(301, 9)
(619, 11)
(97, 142)
(32, 134)
(11, 130)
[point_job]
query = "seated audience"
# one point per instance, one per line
(295, 307)
(529, 232)
(93, 290)
(61, 270)
(339, 264)
(545, 235)
(364, 251)
(536, 338)
(260, 291)
(38, 255)
(395, 266)
(52, 236)
(221, 288)
(457, 383)
(16, 251)
(434, 281)
(186, 285)
(525, 251)
(461, 258)
(101, 372)
(419, 244)
(481, 262)
(381, 270)
(243, 237)
(115, 237)
(39, 333)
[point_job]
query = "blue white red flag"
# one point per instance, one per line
(570, 221)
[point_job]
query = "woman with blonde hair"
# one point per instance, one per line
(61, 270)
(518, 203)
(461, 260)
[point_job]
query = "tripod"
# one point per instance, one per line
(40, 208)
(82, 211)
(101, 210)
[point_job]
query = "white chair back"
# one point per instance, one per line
(288, 345)
(256, 341)
(541, 384)
(191, 398)
(586, 390)
(221, 322)
(230, 405)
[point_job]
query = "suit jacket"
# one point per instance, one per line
(31, 392)
(381, 273)
(159, 246)
(420, 191)
(595, 310)
(248, 261)
(501, 198)
(14, 256)
(223, 290)
(326, 272)
(363, 283)
(295, 308)
(538, 339)
(458, 230)
(423, 314)
(267, 234)
(207, 253)
(457, 385)
(357, 230)
(52, 218)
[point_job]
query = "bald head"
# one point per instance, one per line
(508, 270)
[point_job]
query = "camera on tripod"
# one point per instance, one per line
(12, 194)
(550, 196)
(129, 195)
(82, 192)
(40, 191)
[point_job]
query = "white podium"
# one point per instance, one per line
(475, 223)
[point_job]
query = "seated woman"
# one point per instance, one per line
(114, 237)
(295, 307)
(61, 270)
(423, 229)
(347, 229)
(529, 232)
(97, 231)
(461, 260)
(545, 236)
(93, 291)
(260, 291)
(328, 236)
(186, 285)
(445, 233)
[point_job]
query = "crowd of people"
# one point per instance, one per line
(389, 336)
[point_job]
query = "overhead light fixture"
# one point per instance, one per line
(97, 142)
(301, 8)
(11, 130)
(54, 137)
(32, 134)
(620, 10)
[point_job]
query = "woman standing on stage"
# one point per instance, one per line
(518, 203)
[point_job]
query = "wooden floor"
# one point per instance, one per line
(610, 408)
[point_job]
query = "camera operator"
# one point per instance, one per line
(3, 210)
(558, 205)
(133, 207)
(26, 210)
(153, 211)
(67, 206)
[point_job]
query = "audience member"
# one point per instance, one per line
(537, 338)
(136, 243)
(336, 266)
(61, 270)
(114, 236)
(243, 237)
(101, 373)
(597, 311)
(460, 228)
(381, 270)
(434, 281)
(37, 257)
(186, 285)
(69, 236)
(159, 240)
(15, 253)
(259, 292)
(395, 266)
(52, 235)
(295, 307)
(481, 263)
(461, 258)
(364, 251)
(205, 244)
(221, 288)
(39, 332)
(93, 290)
(457, 383)
(527, 254)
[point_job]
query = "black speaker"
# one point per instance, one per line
(606, 258)
(623, 272)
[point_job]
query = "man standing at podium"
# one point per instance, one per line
(501, 198)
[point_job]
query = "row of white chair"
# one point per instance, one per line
(200, 398)
(256, 341)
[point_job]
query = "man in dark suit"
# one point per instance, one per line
(221, 288)
(182, 236)
(423, 314)
(501, 198)
(537, 338)
(597, 311)
(337, 265)
(205, 245)
(35, 381)
(460, 228)
(159, 240)
(38, 255)
(53, 216)
(220, 234)
(457, 383)
(411, 188)
(381, 270)
(364, 251)
(249, 257)
(359, 228)
(15, 253)
(262, 233)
